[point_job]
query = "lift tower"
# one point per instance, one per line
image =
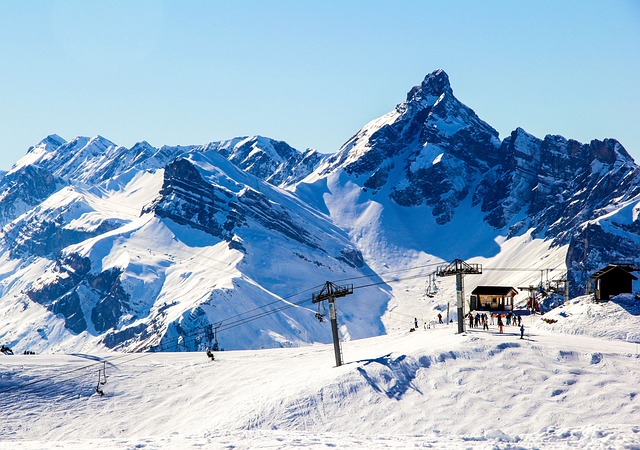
(459, 268)
(330, 292)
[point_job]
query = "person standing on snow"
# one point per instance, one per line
(415, 322)
(439, 318)
(521, 331)
(500, 324)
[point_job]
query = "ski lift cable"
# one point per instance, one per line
(64, 373)
(228, 325)
(398, 320)
(390, 281)
(33, 388)
(387, 273)
(517, 269)
(245, 320)
(225, 324)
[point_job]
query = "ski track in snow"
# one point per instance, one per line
(425, 389)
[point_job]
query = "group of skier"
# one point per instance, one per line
(484, 319)
(477, 320)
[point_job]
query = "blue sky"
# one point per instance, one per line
(310, 72)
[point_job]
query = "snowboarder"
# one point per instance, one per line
(521, 331)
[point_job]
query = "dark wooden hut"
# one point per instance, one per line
(493, 298)
(613, 280)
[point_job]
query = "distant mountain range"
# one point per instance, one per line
(142, 248)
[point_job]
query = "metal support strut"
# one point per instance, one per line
(333, 315)
(330, 292)
(459, 268)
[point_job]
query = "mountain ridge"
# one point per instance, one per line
(104, 246)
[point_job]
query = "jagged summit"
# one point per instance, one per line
(434, 85)
(50, 143)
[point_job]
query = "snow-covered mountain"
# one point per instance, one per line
(140, 252)
(104, 246)
(434, 170)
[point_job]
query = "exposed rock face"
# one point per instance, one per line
(71, 283)
(25, 188)
(186, 198)
(438, 145)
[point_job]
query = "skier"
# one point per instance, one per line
(415, 322)
(521, 331)
(439, 318)
(500, 324)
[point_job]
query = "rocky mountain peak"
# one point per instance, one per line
(434, 85)
(609, 151)
(50, 143)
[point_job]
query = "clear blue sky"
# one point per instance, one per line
(310, 72)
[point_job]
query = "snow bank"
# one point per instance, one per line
(430, 388)
(618, 318)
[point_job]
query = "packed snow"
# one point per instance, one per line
(430, 388)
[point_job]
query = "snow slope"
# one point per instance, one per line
(430, 388)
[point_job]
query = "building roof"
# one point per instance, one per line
(611, 267)
(494, 290)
